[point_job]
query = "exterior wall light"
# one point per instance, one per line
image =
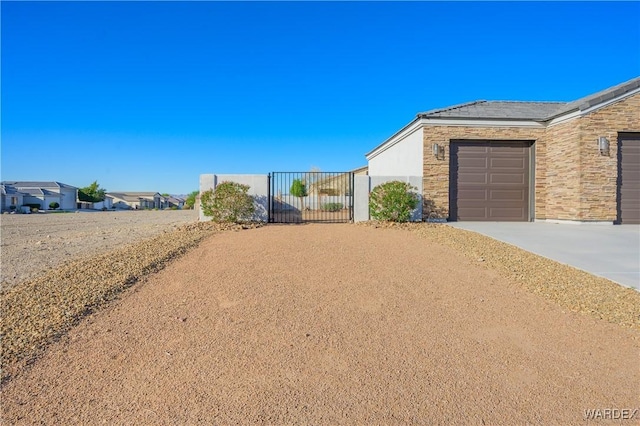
(438, 151)
(603, 145)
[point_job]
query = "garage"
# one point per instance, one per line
(490, 181)
(629, 178)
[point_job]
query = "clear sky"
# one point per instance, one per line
(146, 96)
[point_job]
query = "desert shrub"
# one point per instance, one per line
(229, 203)
(332, 207)
(54, 205)
(393, 201)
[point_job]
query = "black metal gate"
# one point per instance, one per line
(297, 197)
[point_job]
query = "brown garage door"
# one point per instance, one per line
(629, 178)
(489, 180)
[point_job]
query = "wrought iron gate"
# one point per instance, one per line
(297, 197)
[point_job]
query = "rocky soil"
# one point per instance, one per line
(34, 243)
(317, 324)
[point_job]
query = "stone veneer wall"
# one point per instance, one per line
(563, 171)
(598, 173)
(572, 180)
(436, 171)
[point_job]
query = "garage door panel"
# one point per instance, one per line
(632, 178)
(506, 214)
(507, 178)
(508, 163)
(476, 149)
(473, 178)
(471, 212)
(471, 194)
(490, 180)
(629, 178)
(507, 149)
(472, 162)
(517, 195)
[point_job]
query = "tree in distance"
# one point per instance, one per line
(190, 202)
(299, 189)
(92, 193)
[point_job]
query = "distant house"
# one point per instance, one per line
(334, 183)
(107, 204)
(45, 193)
(361, 171)
(136, 200)
(12, 199)
(174, 202)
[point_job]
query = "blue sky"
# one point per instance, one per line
(147, 96)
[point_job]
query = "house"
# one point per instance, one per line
(11, 198)
(45, 193)
(523, 161)
(332, 184)
(136, 200)
(174, 202)
(105, 204)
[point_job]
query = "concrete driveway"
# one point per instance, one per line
(610, 251)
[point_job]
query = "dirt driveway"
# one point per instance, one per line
(329, 324)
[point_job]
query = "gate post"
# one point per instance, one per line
(269, 198)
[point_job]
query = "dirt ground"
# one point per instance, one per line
(329, 324)
(34, 243)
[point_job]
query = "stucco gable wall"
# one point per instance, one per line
(436, 172)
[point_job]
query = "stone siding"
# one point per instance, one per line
(598, 173)
(436, 171)
(572, 180)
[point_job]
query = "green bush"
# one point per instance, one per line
(393, 201)
(228, 203)
(332, 207)
(54, 205)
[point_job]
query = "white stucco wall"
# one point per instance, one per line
(258, 189)
(403, 157)
(68, 199)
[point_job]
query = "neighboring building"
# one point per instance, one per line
(524, 161)
(333, 184)
(106, 204)
(45, 193)
(361, 171)
(11, 198)
(176, 202)
(136, 200)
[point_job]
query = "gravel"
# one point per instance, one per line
(34, 243)
(569, 287)
(321, 324)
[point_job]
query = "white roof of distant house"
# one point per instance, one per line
(6, 189)
(132, 196)
(38, 184)
(41, 191)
